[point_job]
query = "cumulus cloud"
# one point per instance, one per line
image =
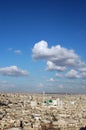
(40, 50)
(13, 71)
(72, 74)
(53, 66)
(58, 55)
(82, 69)
(59, 58)
(17, 51)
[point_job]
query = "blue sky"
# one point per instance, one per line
(42, 45)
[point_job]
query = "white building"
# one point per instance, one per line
(33, 104)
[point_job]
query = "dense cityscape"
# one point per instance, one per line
(42, 111)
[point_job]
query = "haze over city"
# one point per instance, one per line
(43, 45)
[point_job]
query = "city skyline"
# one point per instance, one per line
(43, 46)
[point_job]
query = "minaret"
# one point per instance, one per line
(43, 96)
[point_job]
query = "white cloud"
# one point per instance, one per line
(40, 50)
(13, 71)
(58, 55)
(59, 58)
(83, 69)
(52, 66)
(51, 80)
(17, 51)
(72, 74)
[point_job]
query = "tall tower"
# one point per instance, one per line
(43, 96)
